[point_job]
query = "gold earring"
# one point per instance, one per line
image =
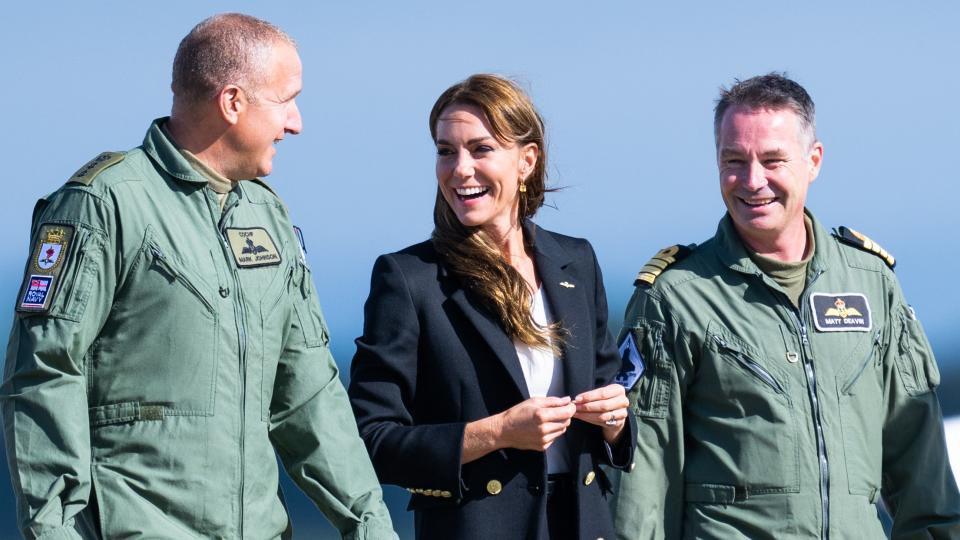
(523, 188)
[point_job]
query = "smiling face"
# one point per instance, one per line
(478, 175)
(270, 116)
(766, 165)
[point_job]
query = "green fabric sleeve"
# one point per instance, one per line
(314, 431)
(649, 501)
(918, 483)
(43, 397)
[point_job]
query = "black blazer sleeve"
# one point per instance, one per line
(619, 455)
(383, 386)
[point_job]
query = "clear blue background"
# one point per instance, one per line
(626, 89)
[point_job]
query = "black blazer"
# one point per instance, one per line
(431, 359)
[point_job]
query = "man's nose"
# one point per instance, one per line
(294, 123)
(756, 177)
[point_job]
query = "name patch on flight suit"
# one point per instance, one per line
(631, 363)
(253, 247)
(47, 261)
(841, 312)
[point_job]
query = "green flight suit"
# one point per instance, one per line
(163, 354)
(761, 420)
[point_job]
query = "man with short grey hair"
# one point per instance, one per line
(782, 384)
(168, 344)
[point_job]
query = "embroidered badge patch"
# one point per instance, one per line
(841, 312)
(253, 247)
(48, 259)
(53, 242)
(38, 289)
(631, 363)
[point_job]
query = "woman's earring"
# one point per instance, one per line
(523, 188)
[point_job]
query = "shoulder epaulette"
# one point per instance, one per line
(664, 258)
(855, 239)
(95, 166)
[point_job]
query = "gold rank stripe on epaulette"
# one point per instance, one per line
(852, 237)
(95, 166)
(664, 258)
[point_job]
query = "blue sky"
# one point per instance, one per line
(626, 89)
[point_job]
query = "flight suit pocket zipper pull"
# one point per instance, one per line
(161, 260)
(874, 347)
(749, 364)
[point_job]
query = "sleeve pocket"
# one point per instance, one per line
(915, 361)
(309, 317)
(651, 394)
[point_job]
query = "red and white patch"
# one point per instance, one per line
(49, 255)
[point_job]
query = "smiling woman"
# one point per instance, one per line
(481, 382)
(491, 176)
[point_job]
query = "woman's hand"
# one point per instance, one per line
(605, 407)
(533, 424)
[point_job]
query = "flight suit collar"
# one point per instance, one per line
(733, 253)
(165, 153)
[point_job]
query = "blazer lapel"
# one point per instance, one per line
(569, 307)
(492, 332)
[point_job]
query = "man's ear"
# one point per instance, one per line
(232, 103)
(815, 159)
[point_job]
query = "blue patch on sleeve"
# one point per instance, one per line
(632, 365)
(36, 294)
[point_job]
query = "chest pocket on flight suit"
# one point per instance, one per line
(860, 391)
(741, 402)
(157, 355)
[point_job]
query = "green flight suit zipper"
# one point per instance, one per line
(240, 314)
(811, 376)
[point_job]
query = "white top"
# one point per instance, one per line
(543, 374)
(538, 364)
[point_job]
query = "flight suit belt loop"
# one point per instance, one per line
(559, 484)
(716, 493)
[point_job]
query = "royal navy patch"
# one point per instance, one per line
(631, 363)
(664, 258)
(253, 247)
(37, 292)
(852, 237)
(95, 166)
(841, 312)
(47, 261)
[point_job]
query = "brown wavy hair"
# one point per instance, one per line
(469, 252)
